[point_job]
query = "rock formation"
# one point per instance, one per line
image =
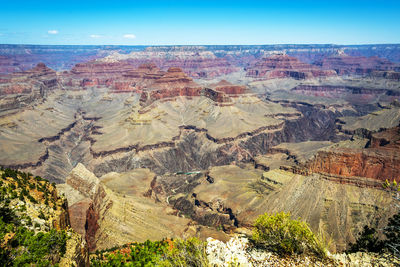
(350, 93)
(23, 88)
(164, 149)
(38, 211)
(238, 250)
(378, 160)
(345, 65)
(196, 63)
(97, 204)
(282, 66)
(229, 88)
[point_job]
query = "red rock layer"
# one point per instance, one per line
(282, 66)
(381, 160)
(94, 73)
(174, 78)
(77, 214)
(154, 84)
(38, 78)
(195, 67)
(229, 88)
(356, 65)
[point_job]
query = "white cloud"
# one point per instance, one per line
(95, 36)
(129, 36)
(52, 32)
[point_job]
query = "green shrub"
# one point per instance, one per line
(190, 252)
(281, 234)
(39, 247)
(148, 253)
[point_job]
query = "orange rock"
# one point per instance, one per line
(381, 160)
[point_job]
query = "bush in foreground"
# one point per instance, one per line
(190, 252)
(283, 235)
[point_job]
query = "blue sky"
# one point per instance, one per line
(199, 22)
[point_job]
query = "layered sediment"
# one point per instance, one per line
(283, 66)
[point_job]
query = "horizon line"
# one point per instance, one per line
(172, 45)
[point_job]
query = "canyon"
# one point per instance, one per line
(157, 142)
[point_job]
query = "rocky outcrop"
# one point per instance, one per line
(95, 73)
(117, 210)
(379, 160)
(87, 200)
(229, 88)
(283, 66)
(44, 211)
(216, 96)
(239, 251)
(20, 89)
(174, 78)
(171, 84)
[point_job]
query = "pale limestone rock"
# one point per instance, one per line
(82, 180)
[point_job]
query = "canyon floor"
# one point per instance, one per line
(199, 141)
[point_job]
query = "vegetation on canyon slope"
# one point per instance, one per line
(190, 252)
(284, 235)
(368, 240)
(28, 207)
(277, 233)
(29, 235)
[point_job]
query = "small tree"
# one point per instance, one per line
(366, 242)
(189, 252)
(280, 233)
(392, 233)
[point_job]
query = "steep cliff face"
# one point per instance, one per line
(283, 66)
(379, 160)
(86, 197)
(118, 210)
(229, 88)
(378, 164)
